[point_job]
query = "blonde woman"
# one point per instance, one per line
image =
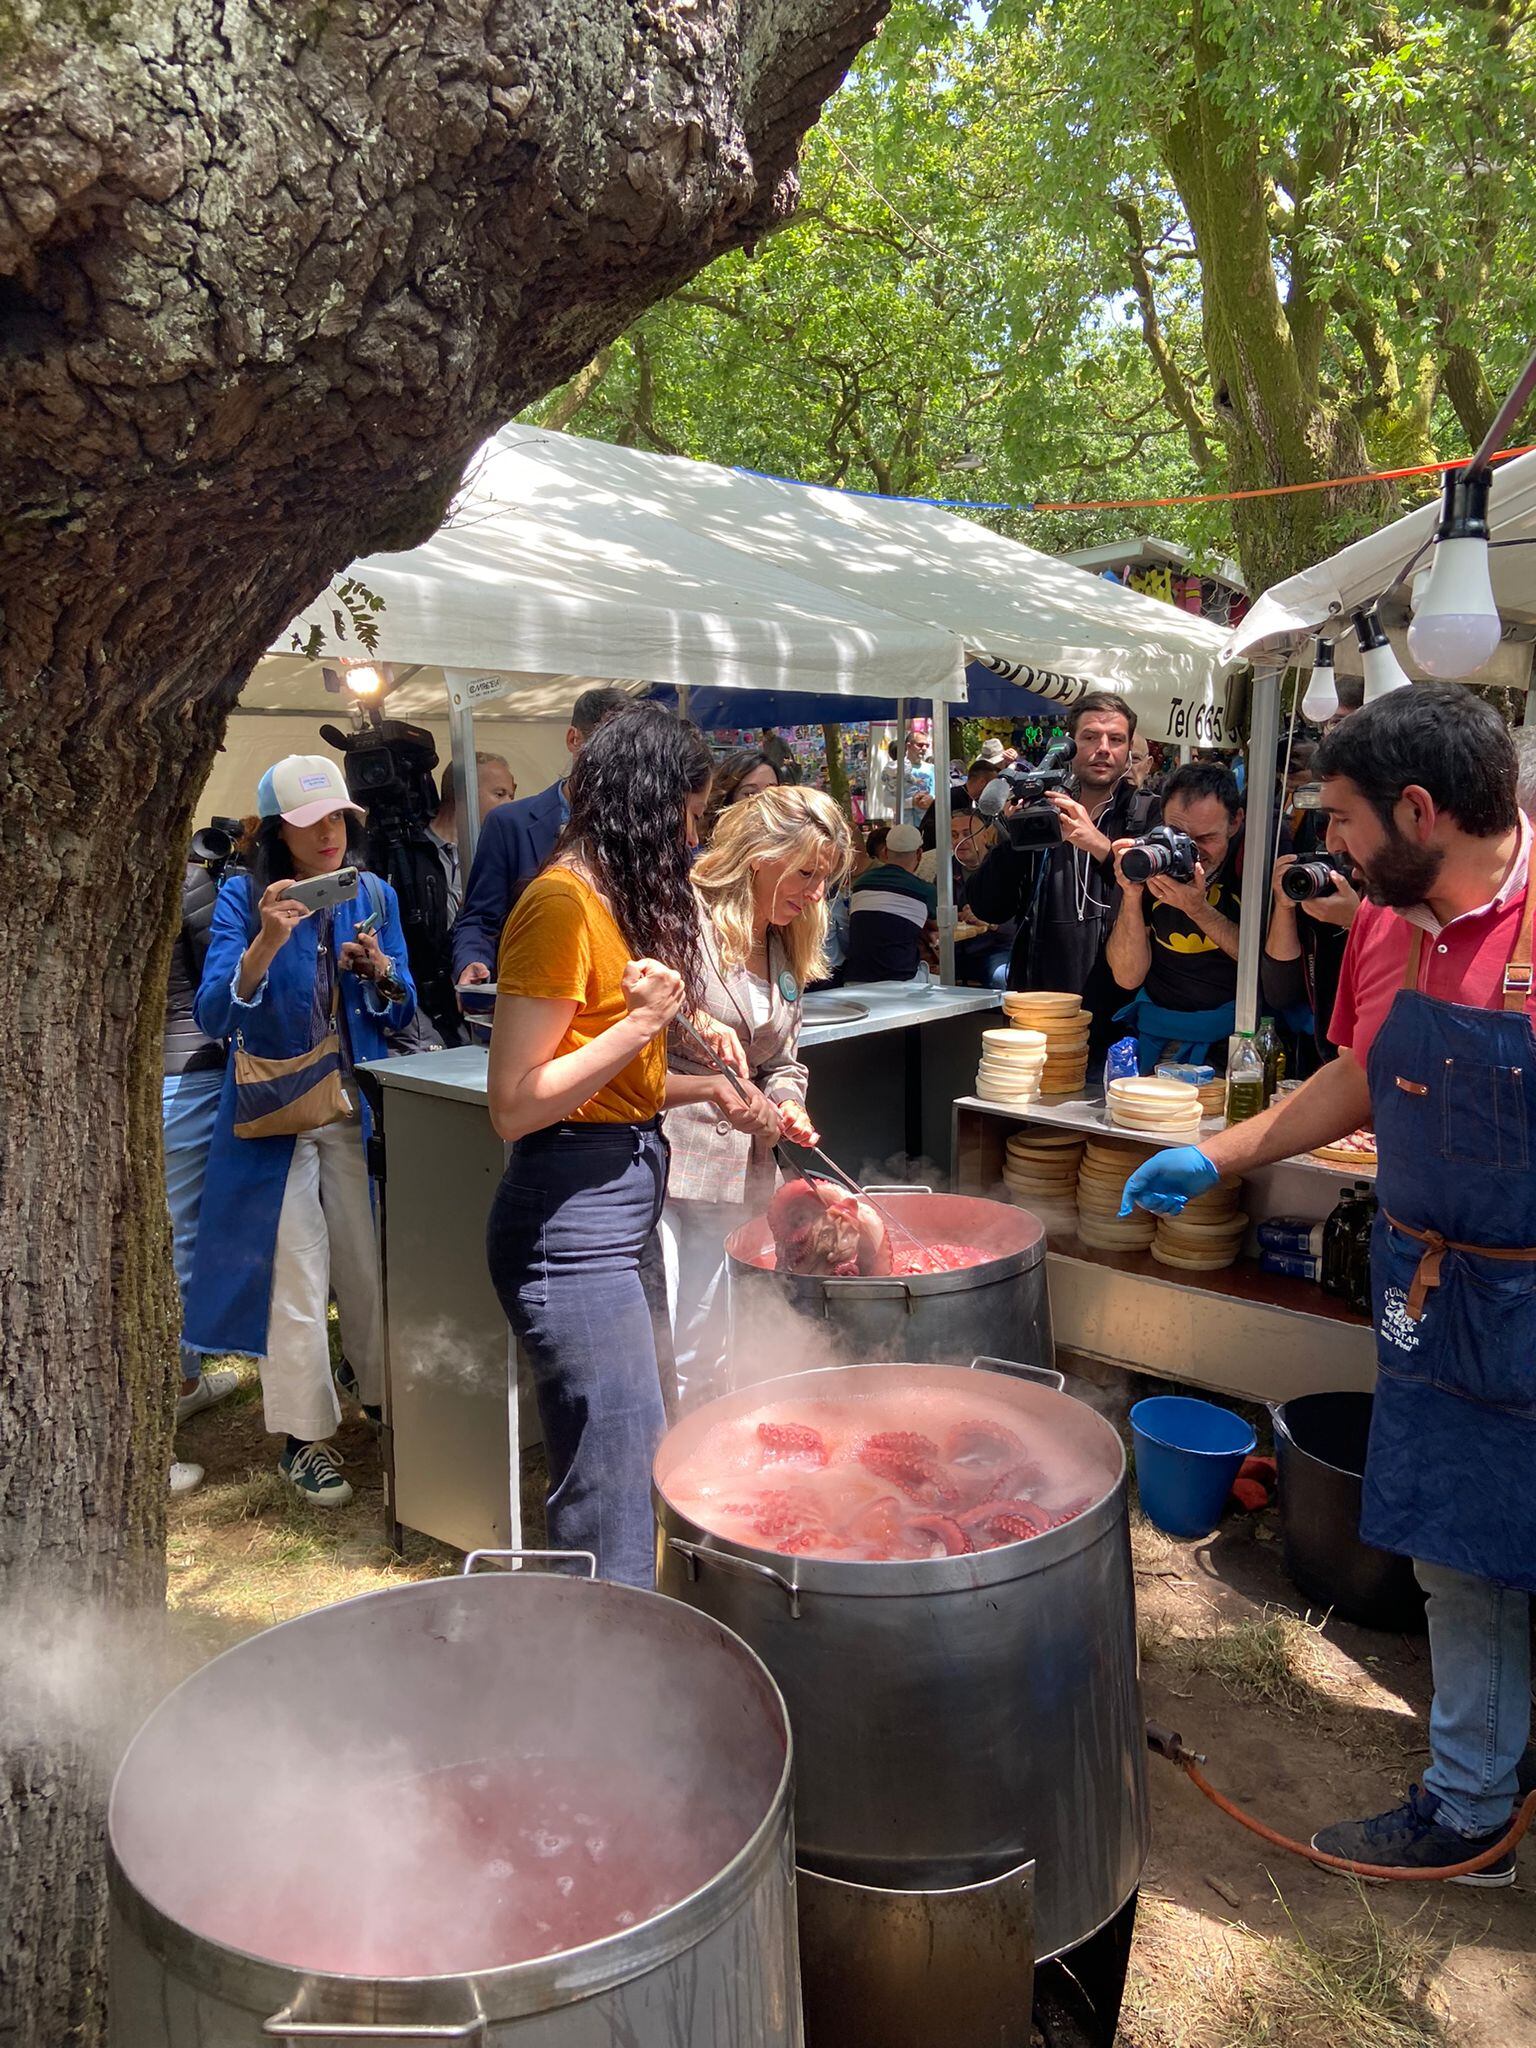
(762, 886)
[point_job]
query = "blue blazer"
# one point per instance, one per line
(230, 1294)
(516, 840)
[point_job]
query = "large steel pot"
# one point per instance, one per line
(947, 1318)
(496, 1666)
(955, 1717)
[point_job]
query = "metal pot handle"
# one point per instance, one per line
(283, 2026)
(1021, 1371)
(554, 1558)
(727, 1561)
(899, 1187)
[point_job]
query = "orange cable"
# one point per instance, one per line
(1525, 1813)
(1332, 483)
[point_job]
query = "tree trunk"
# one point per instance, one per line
(267, 276)
(837, 773)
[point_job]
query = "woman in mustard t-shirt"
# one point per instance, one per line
(600, 953)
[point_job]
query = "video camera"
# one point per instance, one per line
(1162, 851)
(213, 845)
(388, 765)
(1035, 824)
(1305, 879)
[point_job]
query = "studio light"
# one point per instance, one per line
(1456, 624)
(1383, 670)
(1322, 698)
(363, 679)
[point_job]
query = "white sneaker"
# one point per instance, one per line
(185, 1477)
(211, 1388)
(314, 1473)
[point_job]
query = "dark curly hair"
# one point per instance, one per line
(730, 774)
(628, 788)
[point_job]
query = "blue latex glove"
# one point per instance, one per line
(1166, 1181)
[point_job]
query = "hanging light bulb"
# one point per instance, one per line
(1383, 670)
(1322, 698)
(1456, 624)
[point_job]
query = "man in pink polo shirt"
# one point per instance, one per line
(1433, 1025)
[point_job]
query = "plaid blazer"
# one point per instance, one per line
(711, 1160)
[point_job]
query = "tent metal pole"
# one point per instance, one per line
(901, 760)
(1259, 853)
(466, 783)
(945, 875)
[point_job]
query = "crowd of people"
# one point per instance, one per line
(652, 910)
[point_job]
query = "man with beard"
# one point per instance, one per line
(1065, 896)
(1433, 1026)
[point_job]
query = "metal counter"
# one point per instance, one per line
(1261, 1336)
(450, 1443)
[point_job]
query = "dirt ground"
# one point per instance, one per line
(1238, 1945)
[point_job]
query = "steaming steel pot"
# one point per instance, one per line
(948, 1318)
(480, 1667)
(954, 1717)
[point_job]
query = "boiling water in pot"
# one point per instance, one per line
(906, 1474)
(472, 1867)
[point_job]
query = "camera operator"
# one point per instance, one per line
(1304, 952)
(1174, 941)
(1063, 894)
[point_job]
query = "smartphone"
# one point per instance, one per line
(321, 891)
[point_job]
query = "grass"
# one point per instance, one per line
(1363, 1983)
(1275, 1657)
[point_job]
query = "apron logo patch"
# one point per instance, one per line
(1397, 1327)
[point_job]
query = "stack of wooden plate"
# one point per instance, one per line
(1066, 1025)
(1107, 1165)
(1213, 1096)
(1166, 1109)
(1207, 1235)
(1011, 1064)
(1040, 1172)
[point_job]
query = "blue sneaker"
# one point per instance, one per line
(314, 1473)
(1411, 1838)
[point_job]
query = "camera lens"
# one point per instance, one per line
(1138, 862)
(1308, 878)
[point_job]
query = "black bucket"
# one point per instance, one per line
(1320, 1442)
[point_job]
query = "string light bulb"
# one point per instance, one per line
(1322, 698)
(1456, 624)
(1383, 671)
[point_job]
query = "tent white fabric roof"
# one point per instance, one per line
(564, 555)
(1280, 626)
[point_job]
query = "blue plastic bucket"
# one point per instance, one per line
(1187, 1455)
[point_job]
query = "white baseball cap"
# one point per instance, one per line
(903, 839)
(302, 789)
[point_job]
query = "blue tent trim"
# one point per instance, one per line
(710, 709)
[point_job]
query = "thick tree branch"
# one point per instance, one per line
(1180, 398)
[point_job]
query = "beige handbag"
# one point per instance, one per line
(284, 1098)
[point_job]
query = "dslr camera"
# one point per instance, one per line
(1036, 823)
(1162, 851)
(1305, 879)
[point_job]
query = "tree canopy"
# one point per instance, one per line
(1078, 250)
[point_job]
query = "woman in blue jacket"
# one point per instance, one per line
(285, 1220)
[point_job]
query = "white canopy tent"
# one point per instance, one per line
(569, 555)
(1278, 631)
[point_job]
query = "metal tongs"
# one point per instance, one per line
(829, 1168)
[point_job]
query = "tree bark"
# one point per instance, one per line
(268, 274)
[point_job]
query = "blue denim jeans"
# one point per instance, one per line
(188, 1106)
(1480, 1720)
(575, 1259)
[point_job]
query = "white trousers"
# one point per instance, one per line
(693, 1238)
(325, 1241)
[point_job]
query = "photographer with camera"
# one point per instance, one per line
(1314, 906)
(1053, 868)
(1174, 940)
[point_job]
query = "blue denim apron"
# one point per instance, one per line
(1451, 1475)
